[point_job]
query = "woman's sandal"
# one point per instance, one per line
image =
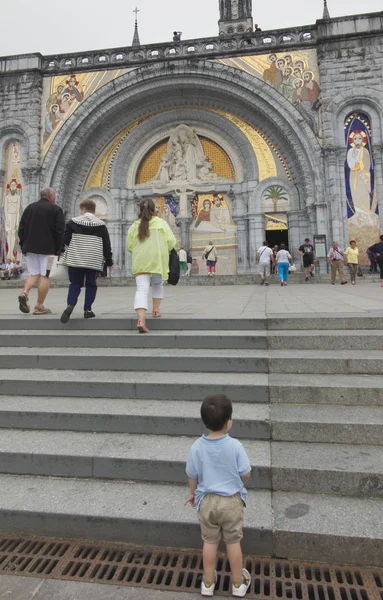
(156, 314)
(142, 327)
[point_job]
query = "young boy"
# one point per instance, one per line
(218, 469)
(88, 246)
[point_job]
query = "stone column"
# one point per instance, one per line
(31, 177)
(243, 244)
(333, 185)
(256, 238)
(322, 229)
(185, 223)
(294, 217)
(2, 175)
(378, 166)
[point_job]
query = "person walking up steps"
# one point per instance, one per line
(283, 259)
(263, 258)
(88, 246)
(218, 469)
(150, 241)
(40, 233)
(309, 258)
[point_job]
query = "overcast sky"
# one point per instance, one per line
(73, 25)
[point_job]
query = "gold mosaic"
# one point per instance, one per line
(222, 164)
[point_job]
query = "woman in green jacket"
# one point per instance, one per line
(150, 241)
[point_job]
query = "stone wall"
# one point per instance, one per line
(350, 58)
(20, 116)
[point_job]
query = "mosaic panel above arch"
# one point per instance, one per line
(148, 168)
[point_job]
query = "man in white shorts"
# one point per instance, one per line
(263, 259)
(41, 233)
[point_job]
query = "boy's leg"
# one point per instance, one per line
(90, 288)
(235, 556)
(209, 562)
(76, 278)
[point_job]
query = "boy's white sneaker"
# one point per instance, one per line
(208, 590)
(240, 591)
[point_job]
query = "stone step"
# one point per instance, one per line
(196, 360)
(186, 339)
(112, 456)
(288, 322)
(129, 323)
(330, 339)
(328, 424)
(299, 526)
(328, 528)
(168, 417)
(136, 359)
(357, 390)
(325, 321)
(301, 423)
(119, 511)
(339, 469)
(155, 386)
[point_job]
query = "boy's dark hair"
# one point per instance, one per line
(216, 411)
(89, 205)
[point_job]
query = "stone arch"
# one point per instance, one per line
(19, 131)
(208, 124)
(290, 187)
(368, 102)
(94, 192)
(107, 111)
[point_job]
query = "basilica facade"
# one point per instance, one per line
(240, 137)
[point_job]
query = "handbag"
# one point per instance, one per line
(174, 268)
(292, 268)
(359, 271)
(59, 270)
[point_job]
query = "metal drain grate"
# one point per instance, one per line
(173, 570)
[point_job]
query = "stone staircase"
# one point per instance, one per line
(96, 423)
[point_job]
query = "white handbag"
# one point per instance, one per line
(292, 269)
(59, 270)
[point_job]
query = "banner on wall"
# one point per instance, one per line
(361, 197)
(276, 222)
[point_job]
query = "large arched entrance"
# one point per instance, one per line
(245, 144)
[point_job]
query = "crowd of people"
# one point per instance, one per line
(10, 269)
(83, 245)
(278, 259)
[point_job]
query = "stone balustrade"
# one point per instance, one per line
(214, 47)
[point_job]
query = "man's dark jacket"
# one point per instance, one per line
(41, 228)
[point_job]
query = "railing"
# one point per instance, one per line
(225, 45)
(216, 47)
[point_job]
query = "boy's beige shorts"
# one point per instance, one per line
(221, 516)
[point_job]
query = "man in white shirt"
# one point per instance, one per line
(263, 259)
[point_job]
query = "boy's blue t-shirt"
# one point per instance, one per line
(218, 464)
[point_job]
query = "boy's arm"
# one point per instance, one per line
(192, 488)
(246, 478)
(243, 463)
